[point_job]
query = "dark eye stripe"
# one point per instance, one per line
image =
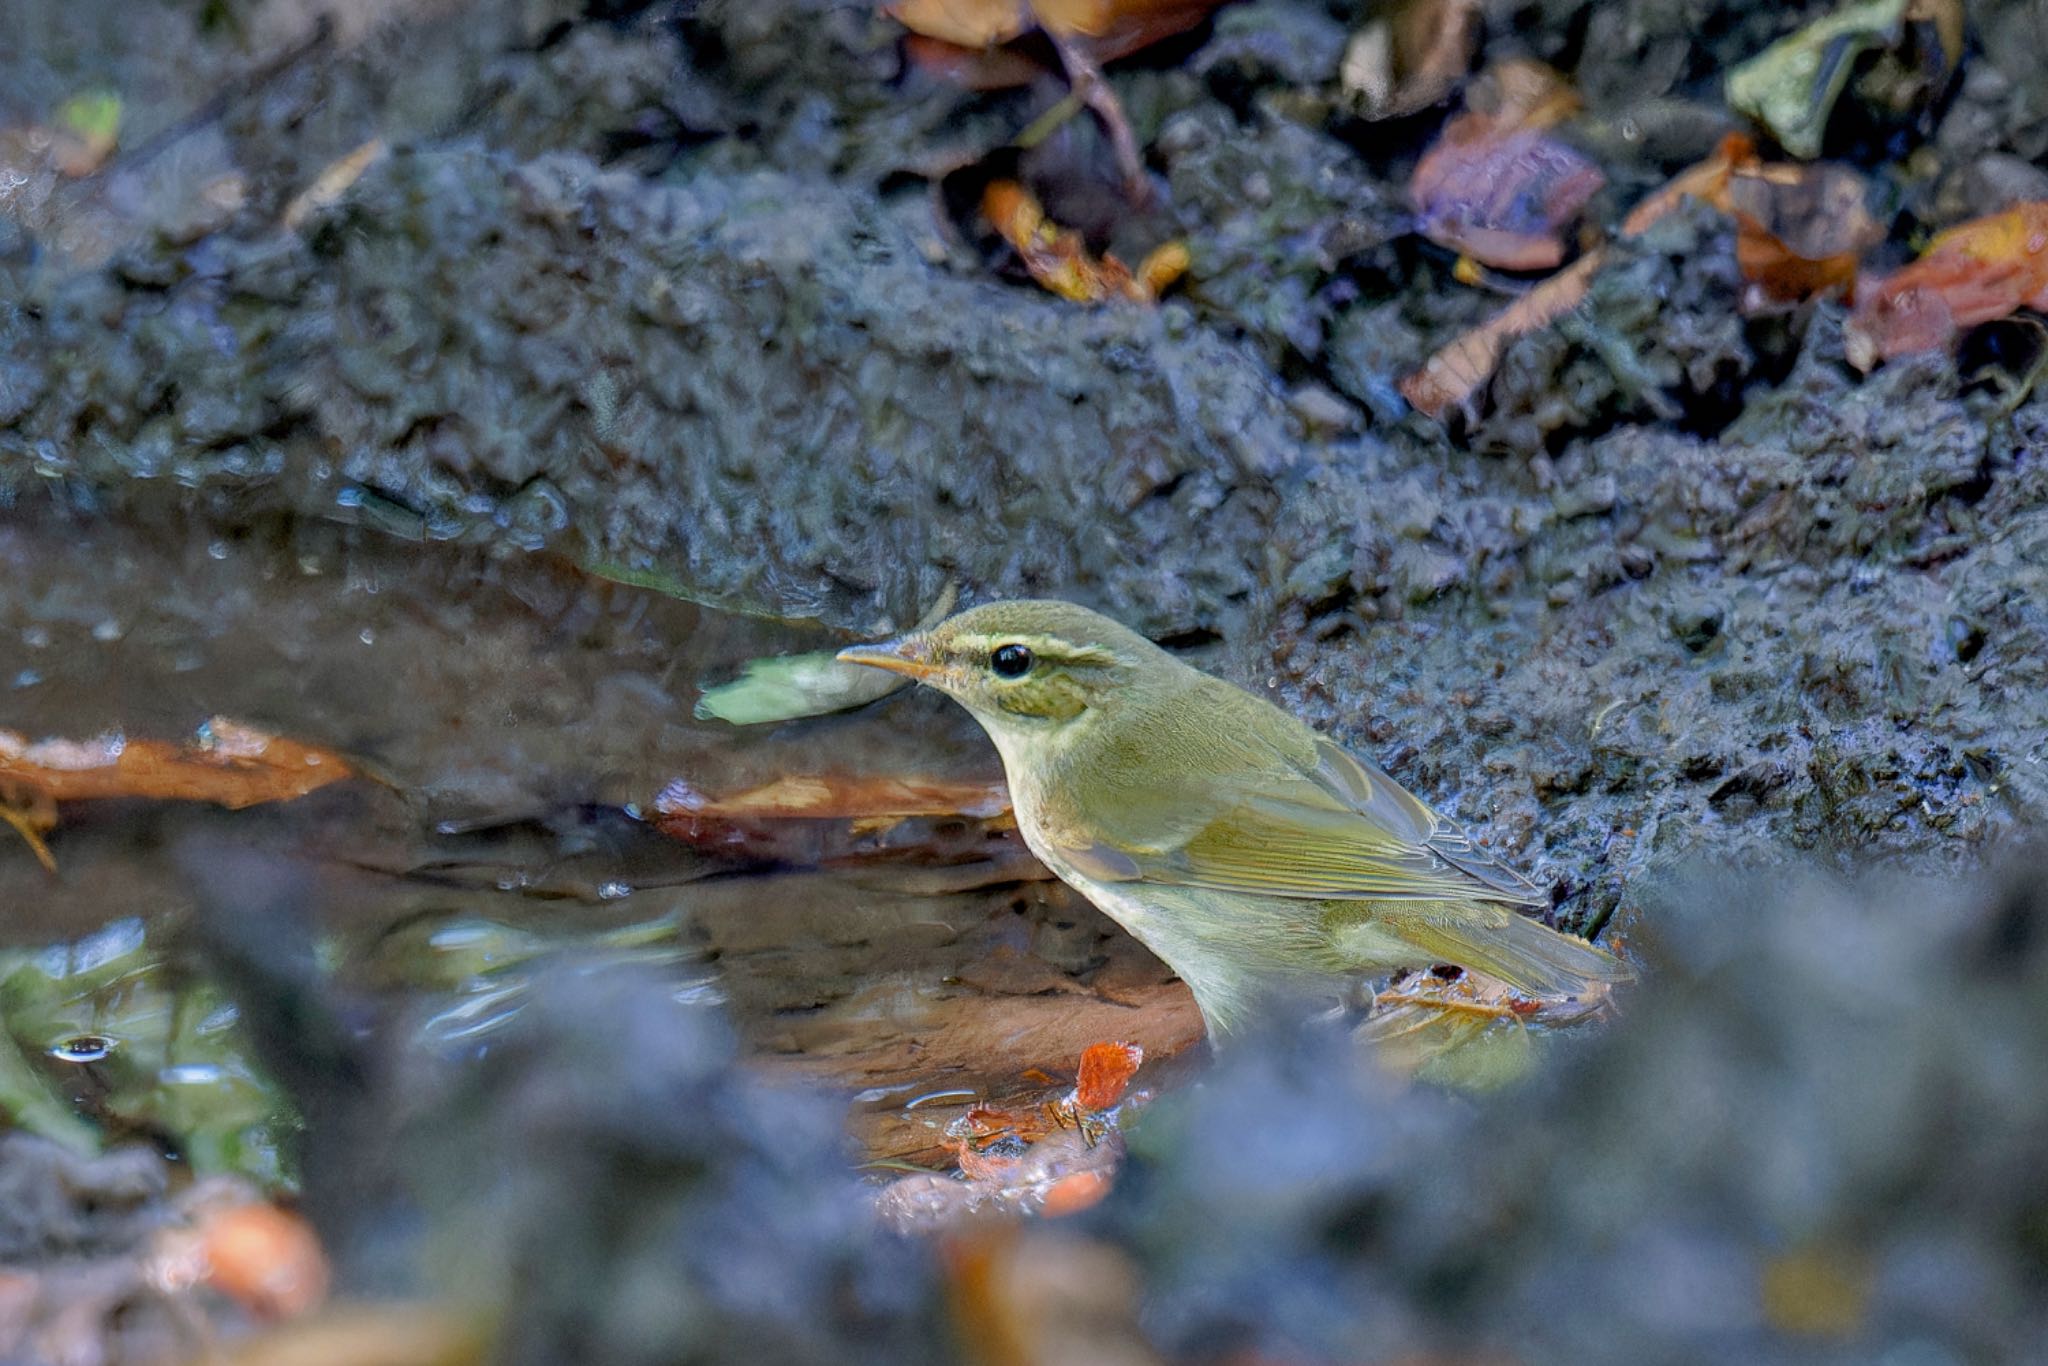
(1010, 661)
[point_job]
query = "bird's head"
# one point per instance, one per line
(1023, 668)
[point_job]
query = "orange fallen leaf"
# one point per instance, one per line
(1106, 1070)
(971, 68)
(1976, 272)
(1075, 1192)
(265, 1258)
(1059, 259)
(1800, 229)
(230, 764)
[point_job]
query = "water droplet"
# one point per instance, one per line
(27, 678)
(613, 891)
(107, 630)
(217, 550)
(367, 636)
(35, 637)
(82, 1048)
(191, 1074)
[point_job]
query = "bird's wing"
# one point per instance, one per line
(1317, 823)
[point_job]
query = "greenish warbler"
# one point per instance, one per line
(1260, 861)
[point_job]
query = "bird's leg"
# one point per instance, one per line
(1084, 74)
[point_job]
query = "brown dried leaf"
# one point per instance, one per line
(230, 764)
(970, 24)
(837, 797)
(971, 68)
(1104, 29)
(1409, 59)
(1799, 229)
(1458, 371)
(332, 183)
(1974, 273)
(830, 820)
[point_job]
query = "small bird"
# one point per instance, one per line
(1260, 861)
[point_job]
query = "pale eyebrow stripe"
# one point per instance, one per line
(1049, 646)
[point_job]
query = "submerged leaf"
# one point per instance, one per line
(229, 764)
(1463, 1031)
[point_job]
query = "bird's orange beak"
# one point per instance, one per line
(910, 655)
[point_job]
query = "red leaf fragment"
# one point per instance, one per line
(1976, 272)
(1106, 1070)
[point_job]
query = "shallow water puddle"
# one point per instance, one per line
(513, 718)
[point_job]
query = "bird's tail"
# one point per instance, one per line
(1525, 954)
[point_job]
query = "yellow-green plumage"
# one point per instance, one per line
(1262, 862)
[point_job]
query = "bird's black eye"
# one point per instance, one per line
(1010, 661)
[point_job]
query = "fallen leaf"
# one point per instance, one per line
(88, 128)
(230, 765)
(971, 68)
(1410, 58)
(1106, 1070)
(1059, 259)
(964, 23)
(1523, 93)
(1799, 229)
(1460, 1030)
(1818, 208)
(1792, 86)
(836, 820)
(785, 687)
(1705, 180)
(332, 183)
(829, 797)
(1075, 1192)
(265, 1258)
(1495, 186)
(1084, 34)
(1457, 371)
(1502, 196)
(1973, 273)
